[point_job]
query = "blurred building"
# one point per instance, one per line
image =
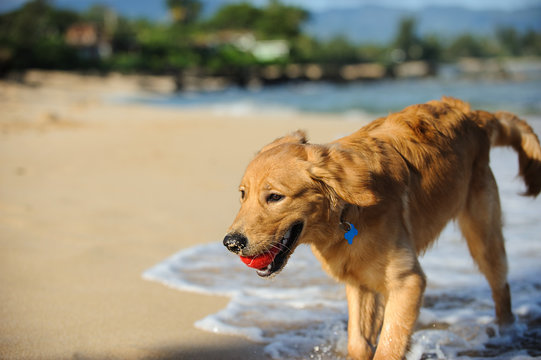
(263, 50)
(90, 42)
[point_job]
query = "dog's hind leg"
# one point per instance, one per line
(365, 310)
(481, 224)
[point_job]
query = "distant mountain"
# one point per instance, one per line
(378, 24)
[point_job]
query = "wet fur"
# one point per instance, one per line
(399, 180)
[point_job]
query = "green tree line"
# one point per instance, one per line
(34, 36)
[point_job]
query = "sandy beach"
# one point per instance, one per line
(93, 193)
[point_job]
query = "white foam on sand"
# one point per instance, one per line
(302, 313)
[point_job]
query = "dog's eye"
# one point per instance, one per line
(274, 197)
(242, 194)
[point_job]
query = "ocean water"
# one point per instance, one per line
(302, 313)
(381, 97)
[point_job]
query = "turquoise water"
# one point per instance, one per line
(522, 97)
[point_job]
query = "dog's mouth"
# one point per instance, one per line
(274, 259)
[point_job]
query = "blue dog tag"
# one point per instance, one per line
(352, 232)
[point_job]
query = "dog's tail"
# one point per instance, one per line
(506, 129)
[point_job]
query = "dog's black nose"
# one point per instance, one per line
(235, 242)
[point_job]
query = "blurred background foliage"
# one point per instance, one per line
(40, 35)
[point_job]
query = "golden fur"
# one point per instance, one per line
(399, 180)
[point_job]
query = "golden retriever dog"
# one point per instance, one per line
(398, 181)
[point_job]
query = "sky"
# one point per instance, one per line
(318, 5)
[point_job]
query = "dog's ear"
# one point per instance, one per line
(297, 137)
(342, 176)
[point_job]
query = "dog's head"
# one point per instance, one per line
(291, 193)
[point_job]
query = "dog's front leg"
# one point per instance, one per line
(365, 316)
(404, 297)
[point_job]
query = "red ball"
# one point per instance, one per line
(261, 261)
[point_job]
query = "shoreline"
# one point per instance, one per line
(197, 79)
